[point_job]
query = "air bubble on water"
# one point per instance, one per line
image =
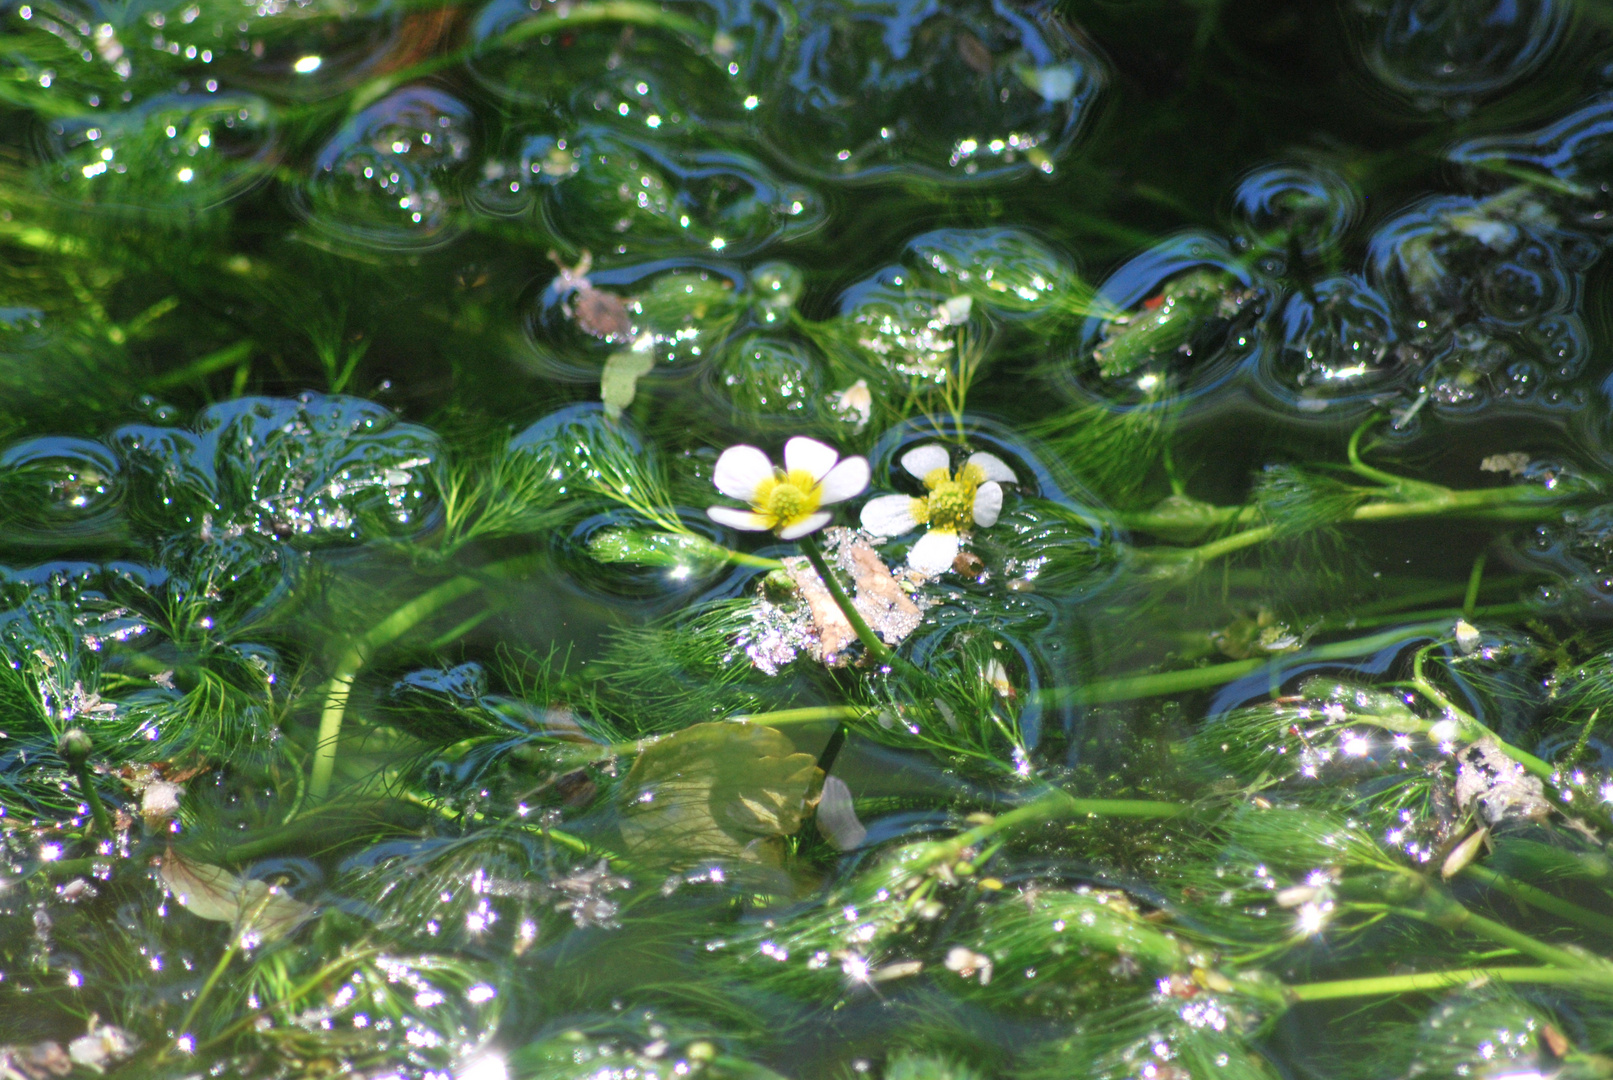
(379, 183)
(1452, 51)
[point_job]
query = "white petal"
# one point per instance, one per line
(921, 461)
(810, 523)
(889, 515)
(809, 455)
(934, 552)
(993, 467)
(837, 817)
(988, 503)
(740, 470)
(737, 519)
(845, 480)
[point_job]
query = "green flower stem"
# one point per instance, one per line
(1539, 898)
(1426, 901)
(1132, 687)
(1389, 480)
(338, 816)
(564, 839)
(1515, 503)
(344, 962)
(1475, 581)
(1443, 911)
(237, 933)
(1052, 805)
(1492, 611)
(74, 747)
(876, 648)
(378, 637)
(1428, 981)
(742, 558)
(86, 784)
(812, 714)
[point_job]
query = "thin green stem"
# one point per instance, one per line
(1132, 687)
(1438, 907)
(1489, 611)
(809, 715)
(1361, 468)
(227, 357)
(1539, 898)
(1475, 579)
(237, 934)
(346, 960)
(1472, 728)
(86, 784)
(1052, 805)
(359, 651)
(1428, 981)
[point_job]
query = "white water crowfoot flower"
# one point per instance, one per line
(786, 501)
(954, 505)
(854, 404)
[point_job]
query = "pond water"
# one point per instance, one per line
(930, 539)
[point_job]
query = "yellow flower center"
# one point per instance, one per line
(787, 499)
(951, 502)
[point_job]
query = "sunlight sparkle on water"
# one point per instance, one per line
(489, 1066)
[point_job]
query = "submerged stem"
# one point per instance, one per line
(376, 638)
(1539, 898)
(1051, 806)
(74, 747)
(1426, 981)
(1131, 687)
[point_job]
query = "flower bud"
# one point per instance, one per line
(74, 746)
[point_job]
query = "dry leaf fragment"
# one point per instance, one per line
(902, 969)
(880, 599)
(252, 907)
(968, 564)
(35, 1062)
(101, 1046)
(1491, 784)
(602, 314)
(1514, 463)
(835, 634)
(810, 621)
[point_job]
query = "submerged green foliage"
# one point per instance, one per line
(1208, 677)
